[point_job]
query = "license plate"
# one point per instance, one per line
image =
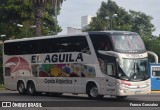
(138, 91)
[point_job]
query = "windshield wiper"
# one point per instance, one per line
(134, 73)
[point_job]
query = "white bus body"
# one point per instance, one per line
(77, 64)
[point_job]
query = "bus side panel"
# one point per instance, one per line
(73, 85)
(15, 80)
(55, 85)
(8, 82)
(78, 85)
(69, 84)
(7, 77)
(103, 85)
(111, 86)
(41, 84)
(86, 81)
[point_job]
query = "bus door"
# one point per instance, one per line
(155, 76)
(110, 80)
(7, 78)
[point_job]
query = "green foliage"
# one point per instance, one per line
(127, 21)
(153, 45)
(1, 75)
(15, 12)
(142, 23)
(1, 68)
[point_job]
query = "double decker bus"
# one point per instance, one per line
(111, 63)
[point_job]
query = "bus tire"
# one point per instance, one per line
(21, 88)
(31, 89)
(121, 97)
(92, 92)
(54, 94)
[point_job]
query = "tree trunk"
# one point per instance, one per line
(38, 29)
(39, 9)
(39, 12)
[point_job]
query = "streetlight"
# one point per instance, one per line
(3, 38)
(110, 19)
(3, 35)
(21, 26)
(56, 17)
(33, 26)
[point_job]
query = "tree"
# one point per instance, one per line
(153, 45)
(39, 10)
(141, 23)
(107, 10)
(127, 21)
(15, 12)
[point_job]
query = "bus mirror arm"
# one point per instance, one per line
(153, 54)
(111, 53)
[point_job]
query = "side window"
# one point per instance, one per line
(110, 69)
(53, 45)
(7, 71)
(107, 68)
(156, 71)
(101, 42)
(72, 44)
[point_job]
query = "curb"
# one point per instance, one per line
(155, 91)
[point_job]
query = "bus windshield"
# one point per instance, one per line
(128, 42)
(134, 69)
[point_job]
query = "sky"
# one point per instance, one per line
(72, 10)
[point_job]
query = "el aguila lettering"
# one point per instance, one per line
(59, 58)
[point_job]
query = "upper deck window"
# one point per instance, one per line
(128, 42)
(101, 42)
(48, 45)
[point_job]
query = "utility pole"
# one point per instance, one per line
(56, 17)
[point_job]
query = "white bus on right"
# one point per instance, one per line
(123, 58)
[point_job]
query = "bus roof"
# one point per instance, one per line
(111, 32)
(66, 35)
(46, 37)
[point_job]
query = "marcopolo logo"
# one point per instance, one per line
(6, 104)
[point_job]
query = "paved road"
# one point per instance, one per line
(69, 102)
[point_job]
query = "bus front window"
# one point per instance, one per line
(128, 42)
(134, 70)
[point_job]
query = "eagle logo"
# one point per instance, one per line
(16, 64)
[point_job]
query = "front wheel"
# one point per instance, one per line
(93, 92)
